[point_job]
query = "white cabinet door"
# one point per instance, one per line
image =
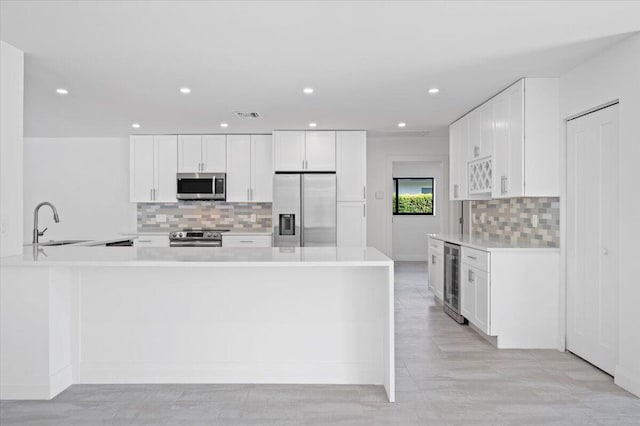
(500, 145)
(432, 273)
(214, 153)
(439, 271)
(151, 241)
(508, 157)
(486, 134)
(351, 224)
(289, 151)
(320, 151)
(467, 292)
(475, 135)
(482, 307)
(189, 153)
(351, 165)
(142, 169)
(458, 152)
(261, 168)
(238, 168)
(166, 168)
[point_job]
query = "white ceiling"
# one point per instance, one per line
(370, 63)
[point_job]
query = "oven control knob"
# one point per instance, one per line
(180, 235)
(210, 234)
(174, 234)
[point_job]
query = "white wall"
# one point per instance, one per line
(87, 179)
(408, 232)
(11, 125)
(615, 74)
(381, 153)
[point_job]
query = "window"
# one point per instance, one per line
(413, 196)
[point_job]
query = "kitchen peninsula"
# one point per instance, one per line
(195, 315)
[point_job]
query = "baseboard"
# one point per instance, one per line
(60, 380)
(290, 372)
(627, 379)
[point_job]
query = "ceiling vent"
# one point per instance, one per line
(244, 114)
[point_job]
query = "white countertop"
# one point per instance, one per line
(489, 244)
(196, 256)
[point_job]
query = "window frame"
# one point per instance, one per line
(433, 197)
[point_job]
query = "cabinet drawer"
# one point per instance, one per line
(151, 241)
(476, 258)
(246, 241)
(436, 246)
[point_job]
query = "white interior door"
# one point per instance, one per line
(592, 237)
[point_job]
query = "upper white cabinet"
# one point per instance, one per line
(458, 152)
(249, 168)
(304, 151)
(351, 165)
(202, 153)
(153, 167)
(512, 146)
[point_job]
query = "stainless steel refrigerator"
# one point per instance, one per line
(304, 210)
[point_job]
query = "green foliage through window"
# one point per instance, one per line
(416, 196)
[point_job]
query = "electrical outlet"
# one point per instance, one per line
(482, 217)
(379, 195)
(253, 218)
(534, 220)
(161, 218)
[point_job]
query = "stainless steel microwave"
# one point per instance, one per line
(201, 186)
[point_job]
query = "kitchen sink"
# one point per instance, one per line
(61, 242)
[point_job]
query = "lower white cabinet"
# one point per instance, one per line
(436, 267)
(475, 288)
(351, 224)
(231, 240)
(151, 241)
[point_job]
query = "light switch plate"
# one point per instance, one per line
(534, 220)
(379, 195)
(253, 218)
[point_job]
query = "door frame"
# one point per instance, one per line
(388, 215)
(564, 160)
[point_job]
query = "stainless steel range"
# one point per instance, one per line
(196, 238)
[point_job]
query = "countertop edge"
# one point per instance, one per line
(479, 246)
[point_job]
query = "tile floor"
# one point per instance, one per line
(446, 375)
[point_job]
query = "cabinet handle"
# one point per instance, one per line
(364, 192)
(433, 259)
(306, 164)
(455, 190)
(503, 184)
(471, 277)
(250, 194)
(472, 257)
(476, 151)
(204, 166)
(154, 194)
(245, 241)
(364, 210)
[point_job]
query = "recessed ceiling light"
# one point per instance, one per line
(224, 125)
(62, 91)
(308, 90)
(402, 124)
(185, 90)
(313, 124)
(135, 125)
(434, 90)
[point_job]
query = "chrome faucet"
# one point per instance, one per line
(37, 234)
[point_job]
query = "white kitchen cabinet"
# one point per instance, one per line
(202, 153)
(514, 136)
(475, 294)
(289, 151)
(153, 167)
(351, 165)
(458, 146)
(320, 151)
(351, 224)
(261, 168)
(249, 168)
(436, 267)
(300, 151)
(238, 240)
(151, 241)
(527, 143)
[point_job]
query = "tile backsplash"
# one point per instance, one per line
(204, 214)
(511, 219)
